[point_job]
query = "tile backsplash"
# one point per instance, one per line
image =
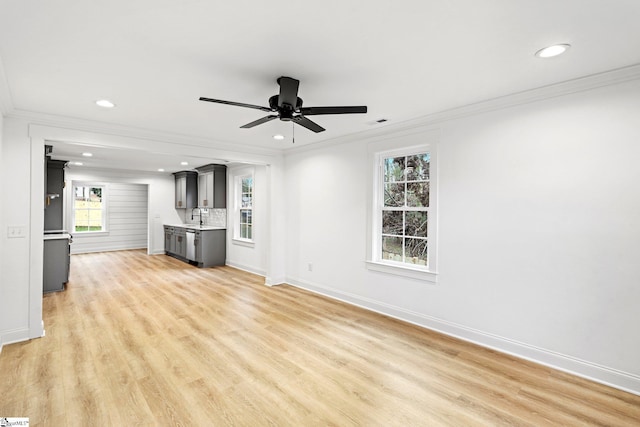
(212, 217)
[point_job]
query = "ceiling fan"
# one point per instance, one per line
(288, 107)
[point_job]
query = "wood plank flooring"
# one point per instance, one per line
(149, 340)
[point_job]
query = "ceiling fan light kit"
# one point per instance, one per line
(288, 107)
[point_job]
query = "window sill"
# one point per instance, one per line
(414, 273)
(243, 242)
(89, 233)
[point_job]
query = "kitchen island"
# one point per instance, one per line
(200, 245)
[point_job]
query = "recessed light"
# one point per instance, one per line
(87, 154)
(105, 103)
(278, 137)
(77, 163)
(551, 51)
(160, 170)
(184, 163)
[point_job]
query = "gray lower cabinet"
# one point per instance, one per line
(169, 240)
(55, 271)
(180, 242)
(209, 246)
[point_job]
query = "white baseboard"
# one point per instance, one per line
(247, 268)
(601, 374)
(275, 280)
(14, 336)
(106, 249)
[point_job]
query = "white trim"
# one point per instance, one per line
(568, 87)
(16, 335)
(36, 243)
(601, 374)
(275, 281)
(68, 125)
(243, 242)
(6, 100)
(105, 208)
(246, 268)
(112, 249)
(82, 134)
(404, 270)
(237, 205)
(378, 150)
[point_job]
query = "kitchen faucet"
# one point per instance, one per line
(199, 214)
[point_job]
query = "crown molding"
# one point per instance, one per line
(432, 121)
(419, 124)
(6, 102)
(92, 126)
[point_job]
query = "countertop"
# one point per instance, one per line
(195, 226)
(57, 236)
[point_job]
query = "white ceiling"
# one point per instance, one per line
(403, 59)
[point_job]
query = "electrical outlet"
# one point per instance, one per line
(310, 267)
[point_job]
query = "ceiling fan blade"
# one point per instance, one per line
(288, 91)
(259, 121)
(303, 121)
(314, 111)
(237, 104)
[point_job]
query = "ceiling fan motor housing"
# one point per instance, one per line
(286, 110)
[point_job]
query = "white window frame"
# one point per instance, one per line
(105, 211)
(374, 258)
(238, 207)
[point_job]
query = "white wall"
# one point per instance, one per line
(15, 194)
(158, 210)
(537, 227)
(249, 257)
(3, 234)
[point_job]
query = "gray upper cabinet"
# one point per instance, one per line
(53, 214)
(212, 186)
(186, 189)
(205, 189)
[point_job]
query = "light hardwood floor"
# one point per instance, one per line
(149, 340)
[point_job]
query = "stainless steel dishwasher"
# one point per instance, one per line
(191, 246)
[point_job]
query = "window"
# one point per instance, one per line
(405, 209)
(89, 212)
(403, 220)
(244, 201)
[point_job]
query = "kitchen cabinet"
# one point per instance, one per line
(186, 189)
(209, 244)
(211, 247)
(205, 189)
(212, 186)
(180, 242)
(169, 240)
(56, 259)
(53, 214)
